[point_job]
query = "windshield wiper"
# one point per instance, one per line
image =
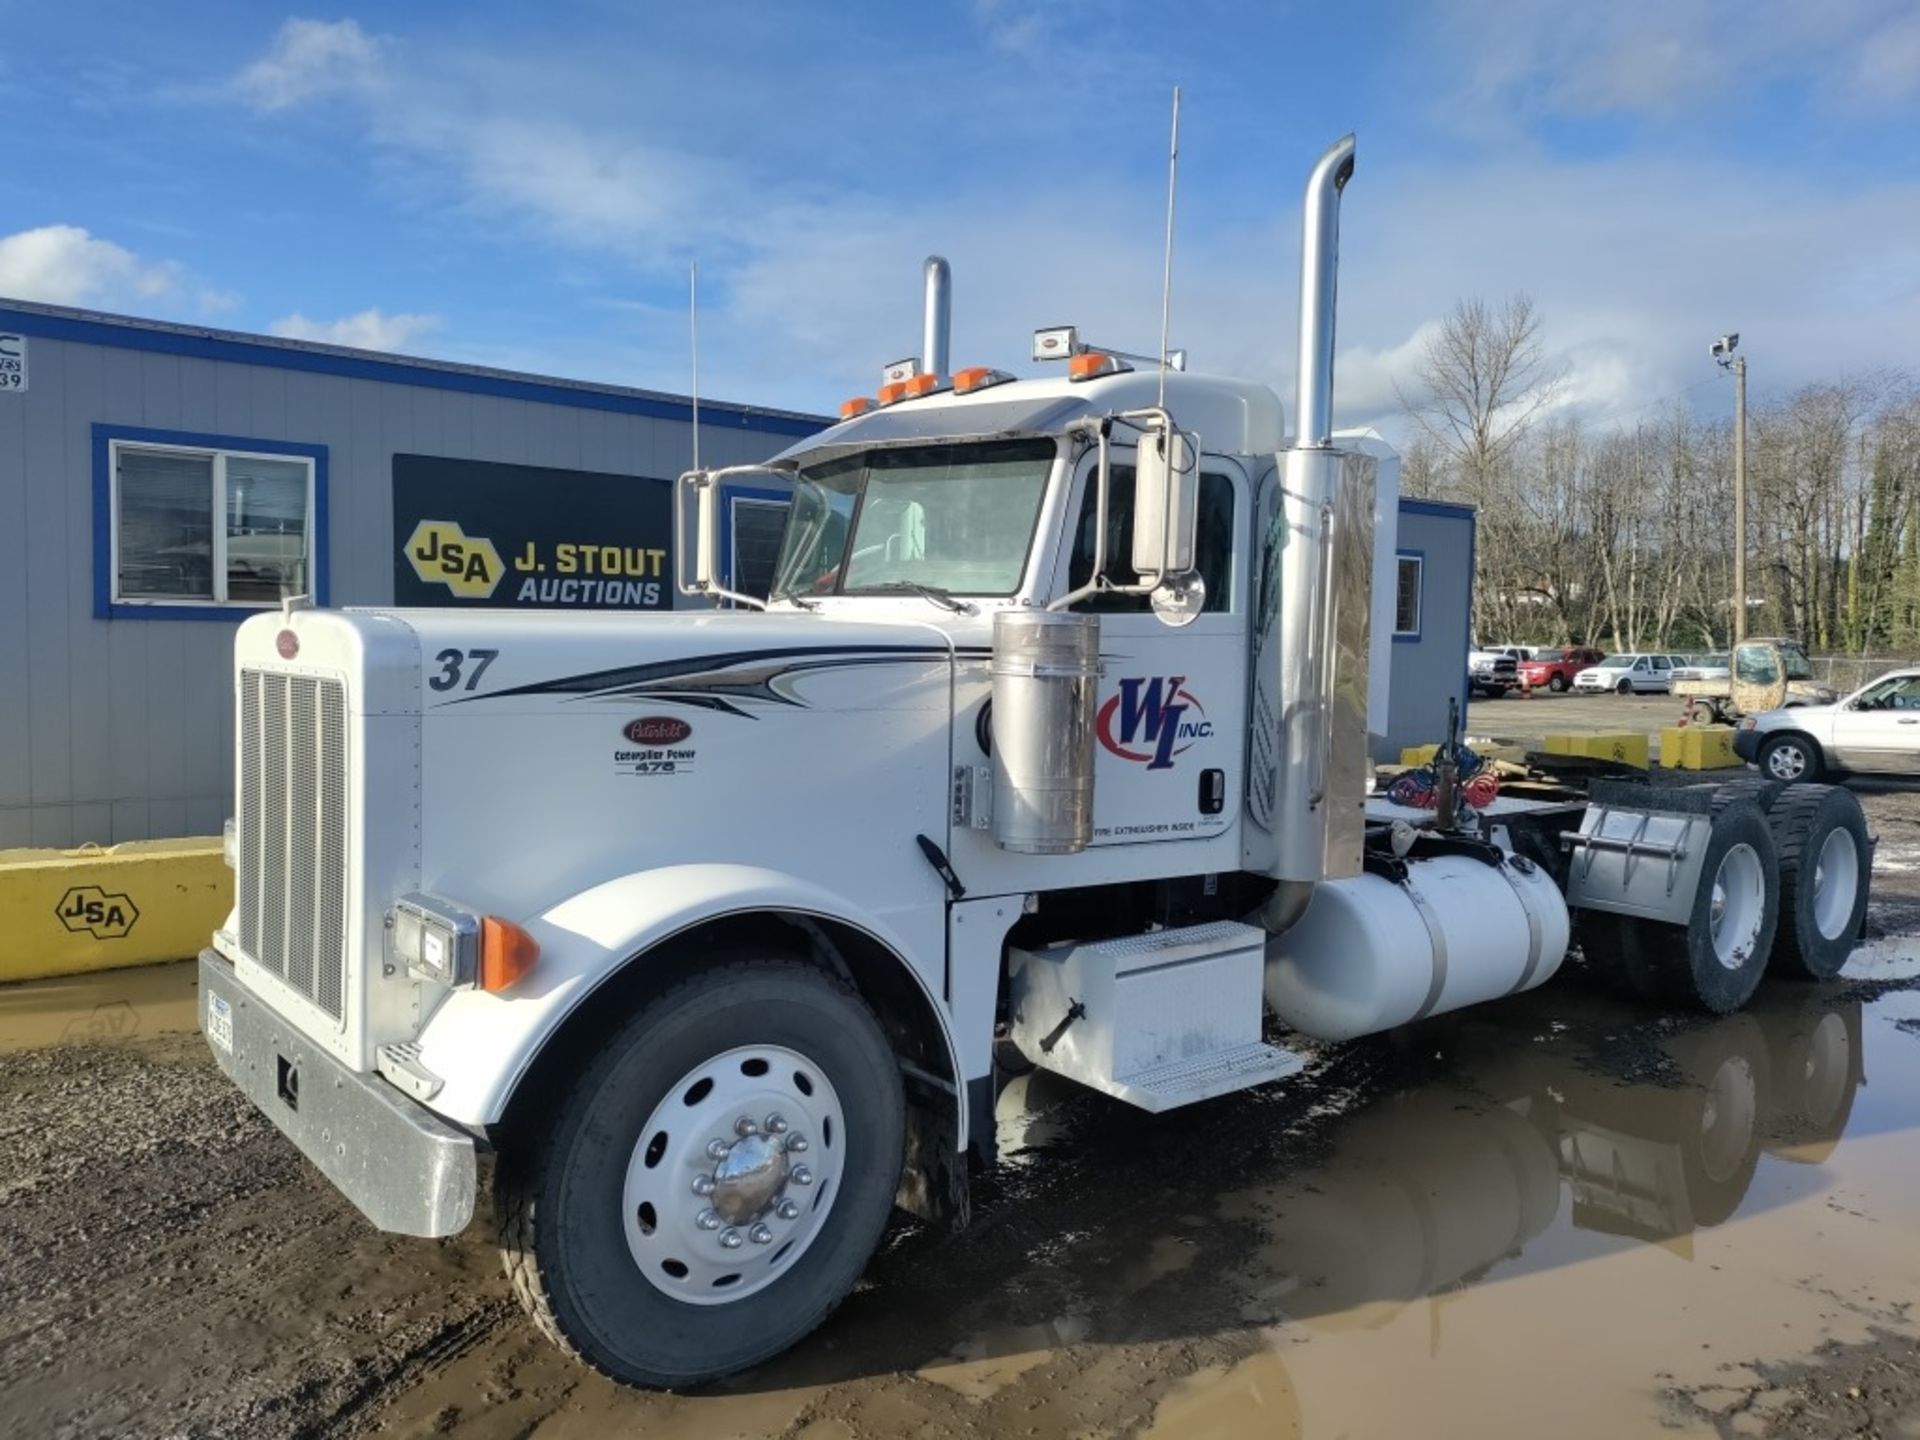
(933, 593)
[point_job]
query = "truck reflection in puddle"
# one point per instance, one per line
(1423, 1193)
(1425, 1190)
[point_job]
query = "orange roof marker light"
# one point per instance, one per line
(858, 405)
(507, 953)
(1093, 363)
(890, 394)
(922, 385)
(978, 377)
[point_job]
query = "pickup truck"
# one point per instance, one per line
(1493, 673)
(1556, 672)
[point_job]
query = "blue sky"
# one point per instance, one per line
(525, 185)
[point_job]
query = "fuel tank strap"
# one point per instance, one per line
(1439, 938)
(1535, 943)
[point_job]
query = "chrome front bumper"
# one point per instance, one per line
(406, 1169)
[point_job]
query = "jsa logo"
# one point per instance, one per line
(1152, 720)
(468, 565)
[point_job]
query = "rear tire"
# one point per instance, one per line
(1791, 759)
(630, 1294)
(1825, 864)
(1700, 712)
(1716, 960)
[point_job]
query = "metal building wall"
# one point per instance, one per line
(115, 730)
(1432, 669)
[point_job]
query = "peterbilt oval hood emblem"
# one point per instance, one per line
(657, 730)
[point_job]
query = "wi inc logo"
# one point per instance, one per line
(1152, 720)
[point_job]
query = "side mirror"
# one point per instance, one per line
(1166, 502)
(697, 566)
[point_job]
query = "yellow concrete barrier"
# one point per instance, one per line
(66, 912)
(1698, 747)
(1620, 747)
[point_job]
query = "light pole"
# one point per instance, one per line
(1722, 351)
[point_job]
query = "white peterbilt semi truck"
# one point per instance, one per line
(1049, 749)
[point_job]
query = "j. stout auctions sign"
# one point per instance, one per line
(469, 532)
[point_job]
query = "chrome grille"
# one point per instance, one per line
(292, 892)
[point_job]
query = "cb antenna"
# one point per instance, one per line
(693, 336)
(1166, 278)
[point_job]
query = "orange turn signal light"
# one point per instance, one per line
(978, 377)
(507, 952)
(858, 405)
(1089, 363)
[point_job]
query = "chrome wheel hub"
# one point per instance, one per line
(1738, 906)
(733, 1175)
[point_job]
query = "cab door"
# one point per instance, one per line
(1170, 726)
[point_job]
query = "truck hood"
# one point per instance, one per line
(713, 660)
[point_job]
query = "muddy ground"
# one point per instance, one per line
(1557, 1215)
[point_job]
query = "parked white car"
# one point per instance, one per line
(1628, 675)
(1874, 731)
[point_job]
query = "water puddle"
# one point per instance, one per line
(100, 1008)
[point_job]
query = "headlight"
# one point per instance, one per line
(433, 938)
(1749, 722)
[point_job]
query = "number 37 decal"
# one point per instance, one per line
(454, 667)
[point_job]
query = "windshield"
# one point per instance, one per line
(955, 518)
(1798, 666)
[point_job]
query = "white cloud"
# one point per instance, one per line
(310, 59)
(67, 265)
(810, 272)
(365, 330)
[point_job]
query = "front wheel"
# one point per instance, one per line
(714, 1182)
(1557, 683)
(1625, 687)
(1790, 758)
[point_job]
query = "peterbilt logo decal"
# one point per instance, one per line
(657, 730)
(1152, 720)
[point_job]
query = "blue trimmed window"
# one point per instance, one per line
(1410, 572)
(205, 527)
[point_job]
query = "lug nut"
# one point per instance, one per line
(776, 1125)
(717, 1149)
(703, 1184)
(708, 1220)
(760, 1235)
(801, 1175)
(788, 1210)
(795, 1143)
(746, 1125)
(730, 1240)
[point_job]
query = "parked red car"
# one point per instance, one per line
(1557, 674)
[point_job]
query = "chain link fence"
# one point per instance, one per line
(1849, 672)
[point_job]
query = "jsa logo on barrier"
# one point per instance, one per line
(102, 914)
(1152, 720)
(468, 565)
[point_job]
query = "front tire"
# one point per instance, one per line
(1557, 684)
(1625, 687)
(669, 1230)
(1790, 759)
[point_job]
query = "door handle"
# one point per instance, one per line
(1910, 722)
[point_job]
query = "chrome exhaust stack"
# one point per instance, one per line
(1308, 791)
(936, 326)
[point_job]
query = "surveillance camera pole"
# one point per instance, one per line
(1739, 368)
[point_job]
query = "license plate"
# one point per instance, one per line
(220, 1021)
